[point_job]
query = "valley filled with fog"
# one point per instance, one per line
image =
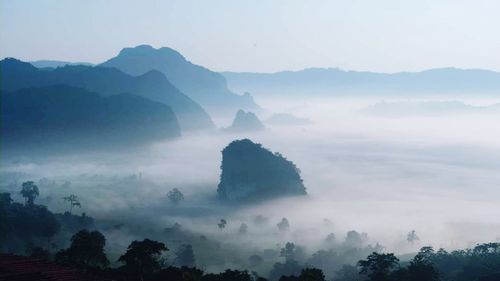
(435, 173)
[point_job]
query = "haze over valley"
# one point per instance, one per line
(256, 174)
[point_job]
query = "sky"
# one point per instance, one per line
(261, 36)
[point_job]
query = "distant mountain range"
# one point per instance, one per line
(201, 84)
(152, 85)
(334, 82)
(56, 63)
(421, 108)
(60, 116)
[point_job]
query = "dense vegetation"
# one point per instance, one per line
(16, 75)
(251, 173)
(62, 115)
(31, 229)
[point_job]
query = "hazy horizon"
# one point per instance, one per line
(261, 36)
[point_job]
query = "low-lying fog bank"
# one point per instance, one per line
(435, 174)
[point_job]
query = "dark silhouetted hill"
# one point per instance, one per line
(201, 84)
(152, 85)
(253, 173)
(333, 81)
(245, 122)
(62, 117)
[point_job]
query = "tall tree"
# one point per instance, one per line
(143, 257)
(222, 223)
(86, 251)
(175, 196)
(412, 237)
(73, 202)
(422, 268)
(283, 225)
(378, 266)
(29, 191)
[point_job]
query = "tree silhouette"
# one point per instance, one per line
(143, 257)
(311, 274)
(378, 266)
(175, 196)
(289, 251)
(243, 228)
(29, 191)
(73, 201)
(222, 223)
(283, 225)
(422, 268)
(86, 251)
(412, 237)
(185, 256)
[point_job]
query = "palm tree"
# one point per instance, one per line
(73, 201)
(29, 191)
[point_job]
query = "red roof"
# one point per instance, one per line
(20, 268)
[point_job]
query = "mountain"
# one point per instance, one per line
(153, 85)
(56, 63)
(333, 81)
(61, 115)
(202, 85)
(253, 173)
(245, 122)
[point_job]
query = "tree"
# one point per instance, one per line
(222, 223)
(355, 239)
(311, 274)
(378, 266)
(30, 192)
(283, 225)
(412, 237)
(5, 199)
(347, 273)
(177, 274)
(73, 201)
(86, 251)
(422, 268)
(175, 196)
(143, 257)
(228, 275)
(185, 256)
(243, 228)
(48, 225)
(289, 251)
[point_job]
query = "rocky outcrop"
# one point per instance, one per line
(253, 173)
(245, 122)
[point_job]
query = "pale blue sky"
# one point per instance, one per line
(263, 36)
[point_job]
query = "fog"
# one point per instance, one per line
(383, 175)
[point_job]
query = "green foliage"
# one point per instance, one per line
(86, 251)
(378, 266)
(175, 196)
(228, 275)
(143, 257)
(252, 173)
(29, 191)
(23, 225)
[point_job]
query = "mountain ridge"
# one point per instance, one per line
(107, 81)
(206, 87)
